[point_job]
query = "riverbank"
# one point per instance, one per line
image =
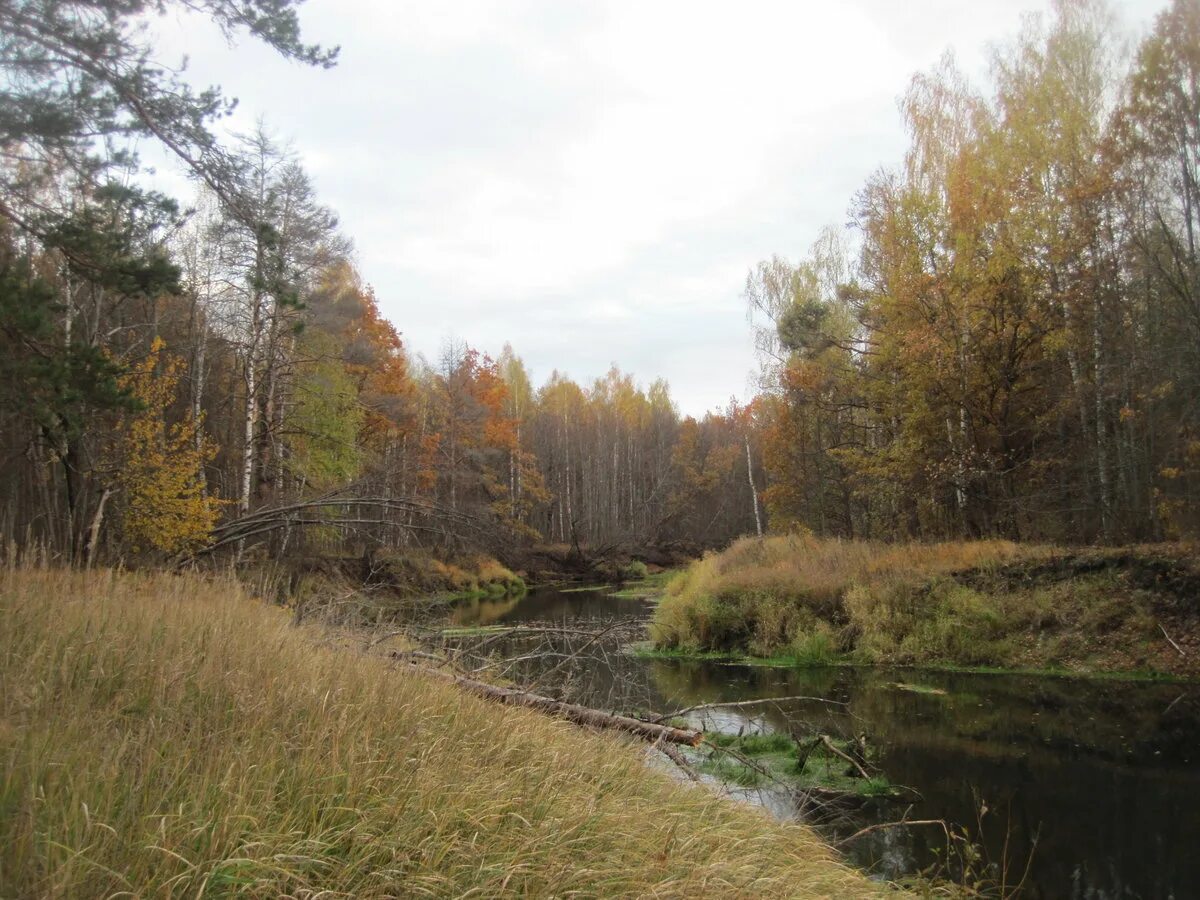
(985, 605)
(408, 586)
(169, 734)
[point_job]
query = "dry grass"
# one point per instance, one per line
(789, 594)
(165, 735)
(989, 604)
(480, 574)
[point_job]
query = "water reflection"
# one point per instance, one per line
(1101, 777)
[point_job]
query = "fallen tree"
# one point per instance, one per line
(580, 715)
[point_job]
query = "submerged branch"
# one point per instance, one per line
(580, 715)
(743, 703)
(879, 826)
(832, 748)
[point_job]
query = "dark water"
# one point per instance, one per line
(1093, 785)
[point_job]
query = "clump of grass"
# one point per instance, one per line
(732, 772)
(498, 577)
(767, 595)
(168, 735)
(421, 574)
(753, 760)
(634, 571)
(767, 742)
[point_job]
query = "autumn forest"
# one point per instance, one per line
(1003, 341)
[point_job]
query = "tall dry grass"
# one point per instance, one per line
(806, 597)
(166, 735)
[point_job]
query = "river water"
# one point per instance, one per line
(1092, 787)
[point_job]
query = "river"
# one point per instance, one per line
(1091, 787)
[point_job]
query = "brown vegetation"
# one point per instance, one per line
(169, 735)
(979, 604)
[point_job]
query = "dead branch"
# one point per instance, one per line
(1169, 641)
(832, 748)
(676, 757)
(747, 762)
(386, 636)
(513, 660)
(882, 825)
(580, 715)
(308, 512)
(742, 703)
(615, 626)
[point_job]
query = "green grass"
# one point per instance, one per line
(635, 571)
(917, 688)
(166, 735)
(775, 758)
(646, 587)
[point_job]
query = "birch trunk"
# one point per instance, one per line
(753, 489)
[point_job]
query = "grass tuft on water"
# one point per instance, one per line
(169, 735)
(774, 757)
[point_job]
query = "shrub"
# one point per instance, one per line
(634, 571)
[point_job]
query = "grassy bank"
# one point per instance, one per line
(761, 758)
(167, 735)
(966, 604)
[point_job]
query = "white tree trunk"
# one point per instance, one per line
(753, 489)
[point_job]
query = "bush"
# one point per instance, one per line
(634, 571)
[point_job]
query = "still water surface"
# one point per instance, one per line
(1095, 785)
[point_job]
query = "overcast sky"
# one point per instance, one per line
(591, 181)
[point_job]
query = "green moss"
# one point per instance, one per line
(646, 650)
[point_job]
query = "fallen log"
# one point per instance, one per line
(676, 757)
(580, 715)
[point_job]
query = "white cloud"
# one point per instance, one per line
(592, 181)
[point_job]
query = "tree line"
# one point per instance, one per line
(1006, 341)
(176, 377)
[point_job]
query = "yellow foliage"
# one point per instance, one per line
(161, 474)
